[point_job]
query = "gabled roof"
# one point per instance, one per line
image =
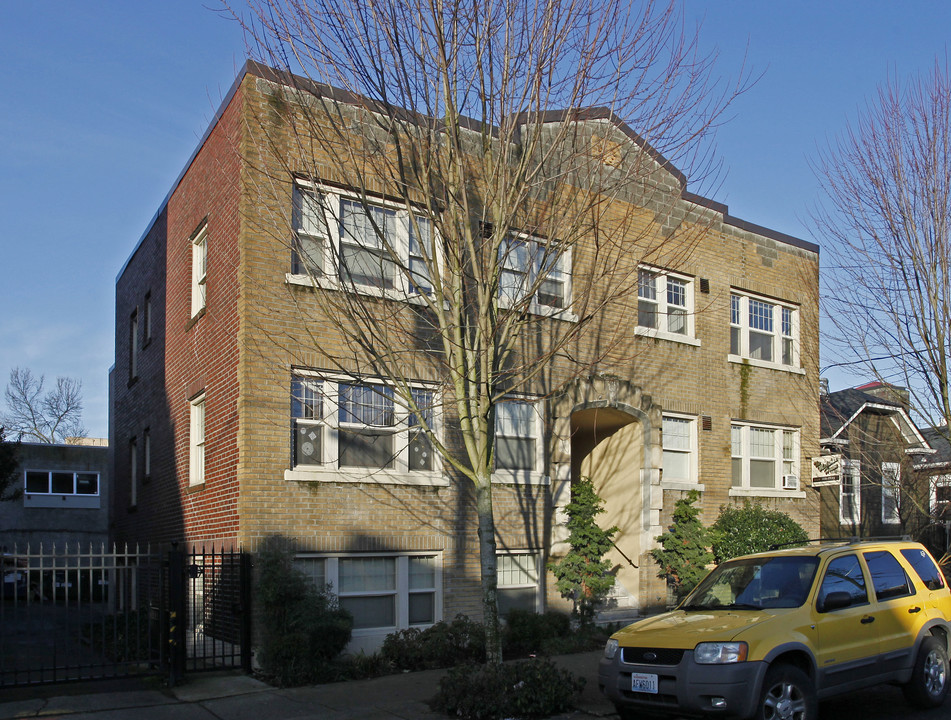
(839, 409)
(937, 438)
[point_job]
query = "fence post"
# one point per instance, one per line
(176, 622)
(246, 612)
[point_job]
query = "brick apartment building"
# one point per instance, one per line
(222, 434)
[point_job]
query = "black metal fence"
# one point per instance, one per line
(70, 613)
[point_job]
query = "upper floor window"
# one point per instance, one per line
(850, 493)
(133, 472)
(518, 432)
(665, 303)
(763, 330)
(374, 247)
(764, 457)
(536, 268)
(891, 492)
(360, 425)
(147, 320)
(134, 345)
(58, 482)
(199, 270)
(61, 489)
(196, 440)
(680, 448)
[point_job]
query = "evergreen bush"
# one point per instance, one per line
(683, 554)
(302, 627)
(583, 575)
(751, 529)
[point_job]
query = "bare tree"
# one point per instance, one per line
(886, 221)
(51, 417)
(502, 196)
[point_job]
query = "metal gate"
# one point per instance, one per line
(69, 614)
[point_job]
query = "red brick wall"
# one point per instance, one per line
(186, 355)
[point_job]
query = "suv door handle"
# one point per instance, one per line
(867, 619)
(914, 610)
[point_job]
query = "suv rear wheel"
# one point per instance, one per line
(928, 686)
(787, 695)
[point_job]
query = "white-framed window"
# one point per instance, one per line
(763, 331)
(680, 448)
(199, 270)
(385, 592)
(850, 493)
(375, 247)
(764, 458)
(665, 302)
(518, 440)
(517, 581)
(891, 492)
(344, 424)
(196, 441)
(941, 496)
(531, 265)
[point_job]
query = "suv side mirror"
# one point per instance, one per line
(835, 601)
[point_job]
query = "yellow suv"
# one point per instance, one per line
(769, 635)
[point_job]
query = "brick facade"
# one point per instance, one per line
(242, 349)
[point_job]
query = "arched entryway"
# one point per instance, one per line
(609, 430)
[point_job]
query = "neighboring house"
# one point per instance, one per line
(66, 499)
(934, 472)
(224, 436)
(867, 477)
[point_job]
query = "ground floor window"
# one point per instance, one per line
(517, 575)
(389, 592)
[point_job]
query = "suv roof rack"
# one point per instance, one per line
(851, 540)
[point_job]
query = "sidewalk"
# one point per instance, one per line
(239, 697)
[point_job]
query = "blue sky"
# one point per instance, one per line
(105, 101)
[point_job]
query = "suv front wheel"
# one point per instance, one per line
(928, 686)
(787, 695)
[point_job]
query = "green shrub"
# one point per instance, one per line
(303, 628)
(442, 645)
(751, 529)
(683, 555)
(527, 631)
(583, 574)
(527, 689)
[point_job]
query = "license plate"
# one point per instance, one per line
(644, 682)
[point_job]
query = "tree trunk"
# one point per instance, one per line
(488, 564)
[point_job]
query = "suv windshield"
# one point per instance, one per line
(755, 583)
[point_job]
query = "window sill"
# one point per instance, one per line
(664, 335)
(682, 485)
(767, 492)
(378, 477)
(515, 477)
(195, 318)
(764, 364)
(58, 502)
(825, 483)
(197, 487)
(326, 282)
